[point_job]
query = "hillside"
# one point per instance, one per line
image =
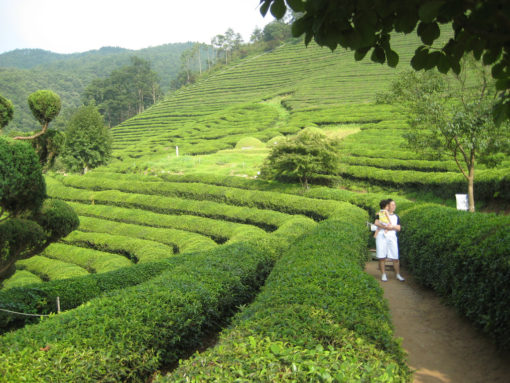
(24, 71)
(172, 248)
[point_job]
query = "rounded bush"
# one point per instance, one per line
(58, 218)
(22, 186)
(6, 111)
(250, 143)
(45, 105)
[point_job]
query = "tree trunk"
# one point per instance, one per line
(471, 189)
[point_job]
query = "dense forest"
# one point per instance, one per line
(102, 75)
(24, 71)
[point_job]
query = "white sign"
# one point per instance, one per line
(462, 201)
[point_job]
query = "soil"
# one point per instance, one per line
(442, 346)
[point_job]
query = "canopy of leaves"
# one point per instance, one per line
(22, 186)
(6, 111)
(481, 27)
(45, 105)
(303, 156)
(88, 141)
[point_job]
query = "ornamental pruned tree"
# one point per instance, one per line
(308, 154)
(88, 141)
(453, 116)
(6, 112)
(480, 26)
(45, 106)
(28, 221)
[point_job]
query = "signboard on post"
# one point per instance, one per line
(462, 202)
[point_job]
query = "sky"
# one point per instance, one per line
(69, 26)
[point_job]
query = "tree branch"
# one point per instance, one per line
(45, 127)
(458, 164)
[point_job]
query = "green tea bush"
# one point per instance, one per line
(219, 231)
(488, 183)
(127, 334)
(265, 219)
(319, 318)
(181, 241)
(465, 257)
(137, 250)
(93, 261)
(41, 298)
(50, 269)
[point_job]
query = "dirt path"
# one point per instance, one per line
(442, 346)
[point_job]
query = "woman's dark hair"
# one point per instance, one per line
(384, 203)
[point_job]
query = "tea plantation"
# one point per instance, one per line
(173, 250)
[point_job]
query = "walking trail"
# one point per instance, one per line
(442, 346)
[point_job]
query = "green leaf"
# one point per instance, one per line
(443, 65)
(420, 57)
(278, 9)
(428, 32)
(503, 84)
(491, 56)
(296, 5)
(455, 65)
(498, 71)
(360, 53)
(392, 58)
(275, 349)
(378, 55)
(264, 7)
(429, 11)
(301, 26)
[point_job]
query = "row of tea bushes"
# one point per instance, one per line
(318, 318)
(290, 204)
(50, 269)
(41, 298)
(488, 183)
(265, 219)
(181, 241)
(20, 278)
(136, 249)
(219, 231)
(127, 334)
(93, 261)
(465, 257)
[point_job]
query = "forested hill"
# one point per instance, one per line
(24, 71)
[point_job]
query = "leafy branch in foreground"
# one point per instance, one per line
(480, 26)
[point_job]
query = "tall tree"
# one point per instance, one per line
(454, 118)
(6, 111)
(88, 141)
(480, 26)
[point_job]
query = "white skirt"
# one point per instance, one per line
(386, 246)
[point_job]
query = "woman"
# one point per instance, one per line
(387, 241)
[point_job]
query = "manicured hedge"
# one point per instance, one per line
(181, 241)
(41, 298)
(319, 318)
(93, 261)
(136, 249)
(465, 257)
(290, 204)
(50, 269)
(127, 334)
(488, 183)
(266, 219)
(219, 231)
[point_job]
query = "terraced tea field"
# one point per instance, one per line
(170, 248)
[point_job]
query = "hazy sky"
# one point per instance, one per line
(67, 26)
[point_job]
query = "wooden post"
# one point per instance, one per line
(177, 151)
(58, 305)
